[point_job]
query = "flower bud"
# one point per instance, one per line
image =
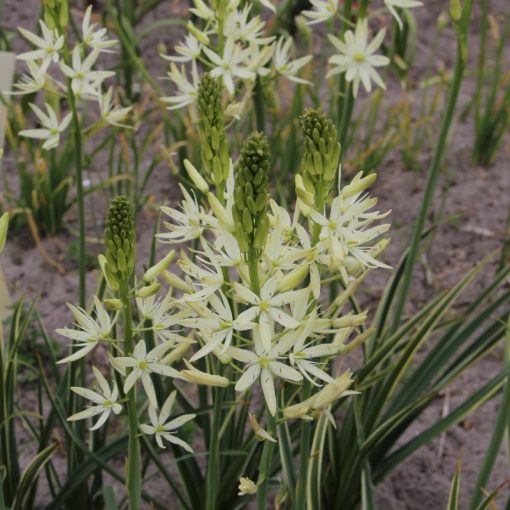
(319, 164)
(251, 197)
(119, 238)
(198, 34)
(196, 376)
(148, 290)
(4, 226)
(292, 279)
(113, 304)
(302, 193)
(109, 277)
(153, 272)
(455, 10)
(197, 179)
(358, 185)
(260, 433)
(176, 282)
(220, 212)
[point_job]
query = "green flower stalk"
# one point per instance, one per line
(251, 197)
(119, 237)
(120, 262)
(319, 164)
(215, 155)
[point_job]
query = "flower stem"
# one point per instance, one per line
(258, 98)
(304, 455)
(265, 464)
(254, 275)
(435, 167)
(213, 464)
(133, 472)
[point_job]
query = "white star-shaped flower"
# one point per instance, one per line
(51, 128)
(105, 401)
(357, 59)
(48, 46)
(161, 428)
(142, 364)
(91, 331)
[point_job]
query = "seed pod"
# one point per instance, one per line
(319, 164)
(251, 197)
(215, 155)
(119, 237)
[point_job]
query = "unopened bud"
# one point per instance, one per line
(198, 34)
(153, 272)
(292, 279)
(148, 290)
(195, 176)
(113, 304)
(220, 212)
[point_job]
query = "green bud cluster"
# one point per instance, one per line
(56, 13)
(251, 197)
(319, 164)
(215, 156)
(119, 237)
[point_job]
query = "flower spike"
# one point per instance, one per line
(251, 197)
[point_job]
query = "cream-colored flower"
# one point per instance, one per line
(230, 65)
(142, 364)
(264, 364)
(246, 486)
(95, 39)
(161, 428)
(187, 223)
(49, 45)
(282, 63)
(108, 111)
(268, 307)
(357, 59)
(91, 331)
(186, 90)
(322, 11)
(84, 81)
(51, 128)
(187, 50)
(35, 80)
(105, 401)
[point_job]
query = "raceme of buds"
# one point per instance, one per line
(56, 13)
(215, 156)
(119, 240)
(319, 164)
(251, 197)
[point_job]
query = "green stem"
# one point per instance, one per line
(79, 195)
(304, 453)
(260, 107)
(213, 466)
(77, 369)
(254, 275)
(437, 161)
(265, 464)
(133, 474)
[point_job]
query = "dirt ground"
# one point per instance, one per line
(480, 196)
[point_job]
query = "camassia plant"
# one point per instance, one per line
(243, 318)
